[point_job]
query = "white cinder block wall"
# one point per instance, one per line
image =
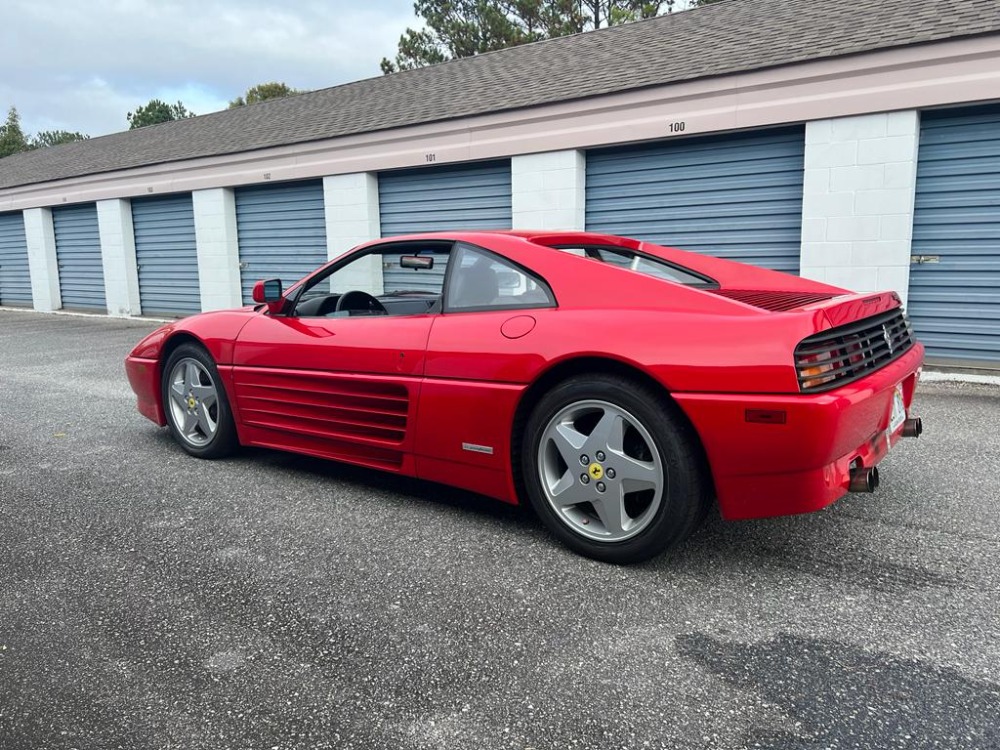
(857, 211)
(548, 190)
(352, 217)
(218, 249)
(42, 263)
(121, 272)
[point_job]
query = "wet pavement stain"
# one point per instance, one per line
(844, 697)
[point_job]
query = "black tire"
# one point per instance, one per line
(223, 441)
(682, 503)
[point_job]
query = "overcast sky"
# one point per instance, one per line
(83, 64)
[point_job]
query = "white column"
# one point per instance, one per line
(218, 249)
(548, 190)
(857, 210)
(352, 217)
(42, 263)
(121, 272)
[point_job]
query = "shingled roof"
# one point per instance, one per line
(724, 38)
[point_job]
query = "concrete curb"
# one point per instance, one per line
(72, 314)
(935, 376)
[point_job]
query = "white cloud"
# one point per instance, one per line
(82, 66)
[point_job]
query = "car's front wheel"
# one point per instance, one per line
(196, 405)
(612, 469)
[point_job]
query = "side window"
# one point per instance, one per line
(480, 280)
(363, 273)
(398, 279)
(633, 261)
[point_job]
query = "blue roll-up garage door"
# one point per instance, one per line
(78, 252)
(281, 230)
(167, 255)
(437, 199)
(954, 299)
(736, 196)
(434, 199)
(15, 279)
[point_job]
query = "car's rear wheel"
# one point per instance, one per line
(196, 405)
(612, 469)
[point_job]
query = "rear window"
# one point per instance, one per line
(644, 264)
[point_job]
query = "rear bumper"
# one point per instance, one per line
(804, 464)
(144, 377)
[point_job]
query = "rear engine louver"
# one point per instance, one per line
(773, 301)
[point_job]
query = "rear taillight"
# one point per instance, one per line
(846, 353)
(814, 371)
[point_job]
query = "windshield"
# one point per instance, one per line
(644, 264)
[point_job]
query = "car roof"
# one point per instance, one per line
(542, 237)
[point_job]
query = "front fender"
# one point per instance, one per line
(216, 331)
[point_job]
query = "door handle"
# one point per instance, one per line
(920, 260)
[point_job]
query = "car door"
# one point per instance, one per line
(480, 354)
(337, 387)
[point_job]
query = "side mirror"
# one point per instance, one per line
(269, 292)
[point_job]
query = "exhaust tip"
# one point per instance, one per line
(913, 427)
(864, 480)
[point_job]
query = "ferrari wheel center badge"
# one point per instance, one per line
(595, 470)
(191, 402)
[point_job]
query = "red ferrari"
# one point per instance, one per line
(617, 386)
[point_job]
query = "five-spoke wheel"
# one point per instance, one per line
(612, 468)
(600, 470)
(195, 403)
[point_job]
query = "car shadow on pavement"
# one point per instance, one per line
(816, 545)
(409, 489)
(838, 695)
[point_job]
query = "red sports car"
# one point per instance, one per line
(617, 386)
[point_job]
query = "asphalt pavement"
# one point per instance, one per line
(152, 600)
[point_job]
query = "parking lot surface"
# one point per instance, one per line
(152, 600)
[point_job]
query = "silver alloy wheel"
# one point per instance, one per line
(194, 401)
(600, 471)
